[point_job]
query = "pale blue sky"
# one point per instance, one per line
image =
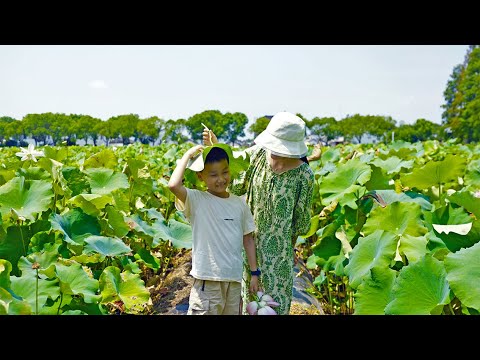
(178, 81)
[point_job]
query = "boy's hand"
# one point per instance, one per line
(194, 151)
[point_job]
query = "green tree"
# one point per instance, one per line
(462, 98)
(37, 126)
(213, 119)
(323, 128)
(149, 129)
(174, 131)
(235, 124)
(259, 125)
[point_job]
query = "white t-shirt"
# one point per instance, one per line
(218, 226)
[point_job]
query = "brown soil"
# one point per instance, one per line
(174, 290)
(170, 295)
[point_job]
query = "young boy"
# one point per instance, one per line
(220, 221)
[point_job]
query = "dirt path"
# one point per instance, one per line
(171, 296)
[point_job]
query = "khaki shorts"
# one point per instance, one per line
(209, 297)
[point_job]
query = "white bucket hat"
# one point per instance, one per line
(284, 136)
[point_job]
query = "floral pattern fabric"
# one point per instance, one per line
(281, 206)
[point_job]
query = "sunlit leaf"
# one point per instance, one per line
(419, 288)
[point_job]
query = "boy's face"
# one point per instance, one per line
(216, 176)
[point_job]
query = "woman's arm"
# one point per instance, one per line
(251, 251)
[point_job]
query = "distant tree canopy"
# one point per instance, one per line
(462, 98)
(460, 119)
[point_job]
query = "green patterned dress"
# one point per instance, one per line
(281, 206)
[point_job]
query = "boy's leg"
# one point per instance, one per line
(205, 298)
(231, 291)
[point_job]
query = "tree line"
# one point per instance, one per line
(460, 119)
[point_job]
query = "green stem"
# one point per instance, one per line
(21, 236)
(36, 293)
(451, 308)
(60, 304)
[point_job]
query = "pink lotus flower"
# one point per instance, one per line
(262, 304)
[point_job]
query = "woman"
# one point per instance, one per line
(279, 186)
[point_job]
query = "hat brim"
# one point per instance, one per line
(292, 149)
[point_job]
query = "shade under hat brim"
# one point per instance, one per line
(285, 148)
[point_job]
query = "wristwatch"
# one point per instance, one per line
(256, 272)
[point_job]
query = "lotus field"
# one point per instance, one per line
(395, 228)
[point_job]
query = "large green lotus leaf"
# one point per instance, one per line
(5, 269)
(103, 159)
(327, 167)
(120, 201)
(435, 173)
(391, 196)
(76, 180)
(171, 154)
(313, 227)
(11, 246)
(327, 244)
(178, 233)
(463, 274)
(142, 228)
(313, 261)
(378, 180)
(30, 287)
(376, 249)
(77, 304)
(55, 153)
(375, 292)
(413, 247)
(138, 173)
(467, 201)
(420, 288)
(153, 214)
(103, 181)
(393, 164)
(54, 167)
(448, 215)
(127, 287)
(146, 257)
(41, 239)
(343, 184)
(116, 221)
(75, 281)
(332, 155)
(336, 264)
(12, 306)
(6, 175)
(91, 204)
(472, 177)
(398, 218)
(49, 256)
(27, 197)
(34, 173)
(75, 225)
(107, 246)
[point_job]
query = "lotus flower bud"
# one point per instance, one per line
(252, 308)
(266, 310)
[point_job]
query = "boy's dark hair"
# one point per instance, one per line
(216, 154)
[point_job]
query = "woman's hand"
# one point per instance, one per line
(316, 153)
(209, 138)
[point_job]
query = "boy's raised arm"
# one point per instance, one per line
(175, 184)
